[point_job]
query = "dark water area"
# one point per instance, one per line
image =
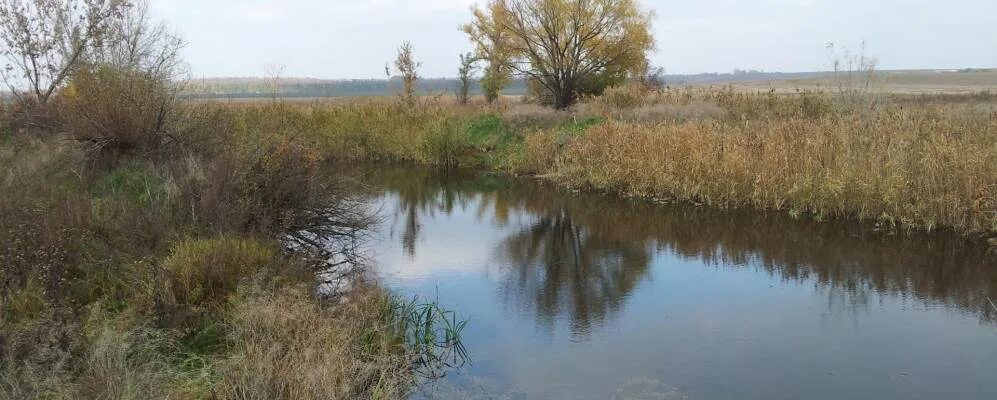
(585, 296)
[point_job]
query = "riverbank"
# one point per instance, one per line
(192, 269)
(182, 254)
(905, 162)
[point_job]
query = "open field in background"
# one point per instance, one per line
(903, 82)
(303, 89)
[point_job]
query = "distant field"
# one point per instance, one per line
(306, 89)
(912, 82)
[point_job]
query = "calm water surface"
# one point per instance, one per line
(577, 296)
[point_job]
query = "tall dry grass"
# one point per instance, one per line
(120, 264)
(285, 346)
(910, 167)
(904, 161)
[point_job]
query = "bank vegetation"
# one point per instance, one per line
(155, 248)
(905, 162)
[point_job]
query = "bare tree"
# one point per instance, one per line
(273, 74)
(134, 42)
(45, 40)
(464, 73)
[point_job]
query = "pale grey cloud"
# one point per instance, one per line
(354, 38)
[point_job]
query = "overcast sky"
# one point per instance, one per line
(354, 38)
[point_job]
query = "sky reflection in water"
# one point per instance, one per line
(586, 296)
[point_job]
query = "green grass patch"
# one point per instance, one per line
(579, 126)
(494, 140)
(136, 182)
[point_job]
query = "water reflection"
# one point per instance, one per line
(579, 256)
(561, 267)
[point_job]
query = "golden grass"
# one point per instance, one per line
(206, 272)
(924, 162)
(284, 346)
(900, 168)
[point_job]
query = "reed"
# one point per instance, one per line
(919, 168)
(908, 162)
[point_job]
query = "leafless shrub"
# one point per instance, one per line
(121, 111)
(275, 187)
(854, 77)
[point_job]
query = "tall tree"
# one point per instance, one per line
(45, 40)
(464, 73)
(569, 47)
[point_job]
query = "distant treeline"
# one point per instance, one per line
(258, 87)
(308, 87)
(295, 87)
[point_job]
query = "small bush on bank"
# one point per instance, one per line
(204, 273)
(272, 185)
(119, 111)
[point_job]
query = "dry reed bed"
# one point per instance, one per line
(910, 168)
(904, 162)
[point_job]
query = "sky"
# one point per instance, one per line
(346, 39)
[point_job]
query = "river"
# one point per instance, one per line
(586, 296)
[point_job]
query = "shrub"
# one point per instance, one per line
(121, 111)
(204, 273)
(445, 144)
(259, 186)
(625, 96)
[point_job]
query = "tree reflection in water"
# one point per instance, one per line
(582, 255)
(563, 268)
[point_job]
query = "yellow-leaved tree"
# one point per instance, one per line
(569, 47)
